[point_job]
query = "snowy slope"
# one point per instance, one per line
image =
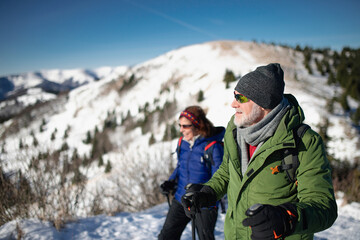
(175, 77)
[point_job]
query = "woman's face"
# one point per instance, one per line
(187, 129)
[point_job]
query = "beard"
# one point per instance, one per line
(250, 119)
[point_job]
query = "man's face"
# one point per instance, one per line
(247, 114)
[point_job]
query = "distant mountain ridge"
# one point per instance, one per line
(42, 86)
(5, 86)
(45, 80)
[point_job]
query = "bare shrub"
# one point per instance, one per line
(15, 195)
(346, 178)
(133, 184)
(19, 231)
(45, 192)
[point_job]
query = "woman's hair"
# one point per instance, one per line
(198, 118)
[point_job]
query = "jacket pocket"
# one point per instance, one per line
(271, 186)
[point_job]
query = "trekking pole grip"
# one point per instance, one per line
(254, 209)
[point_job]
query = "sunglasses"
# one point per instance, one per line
(185, 126)
(240, 98)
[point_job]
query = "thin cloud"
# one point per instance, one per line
(179, 22)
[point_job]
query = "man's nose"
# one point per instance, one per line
(235, 104)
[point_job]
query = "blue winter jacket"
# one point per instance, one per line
(191, 167)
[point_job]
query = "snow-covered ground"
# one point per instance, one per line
(147, 225)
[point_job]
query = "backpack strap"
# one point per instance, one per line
(208, 157)
(208, 154)
(209, 145)
(291, 162)
(178, 146)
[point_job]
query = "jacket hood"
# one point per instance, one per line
(295, 115)
(217, 136)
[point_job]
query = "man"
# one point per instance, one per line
(262, 202)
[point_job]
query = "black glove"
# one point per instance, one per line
(193, 187)
(168, 187)
(271, 222)
(196, 197)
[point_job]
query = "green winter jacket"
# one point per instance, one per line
(313, 196)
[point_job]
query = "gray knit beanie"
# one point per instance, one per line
(264, 86)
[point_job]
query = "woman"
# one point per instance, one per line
(197, 133)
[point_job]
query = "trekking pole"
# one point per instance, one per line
(168, 200)
(193, 227)
(188, 197)
(222, 205)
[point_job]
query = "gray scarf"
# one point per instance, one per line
(257, 134)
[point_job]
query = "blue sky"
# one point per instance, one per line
(49, 34)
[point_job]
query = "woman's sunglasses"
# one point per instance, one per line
(185, 126)
(240, 98)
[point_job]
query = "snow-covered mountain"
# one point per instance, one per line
(51, 80)
(22, 90)
(48, 80)
(130, 109)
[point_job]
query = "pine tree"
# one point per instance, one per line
(344, 103)
(174, 132)
(52, 137)
(307, 58)
(319, 67)
(75, 155)
(3, 150)
(66, 132)
(43, 123)
(101, 161)
(35, 141)
(228, 78)
(166, 136)
(88, 138)
(21, 145)
(78, 177)
(326, 65)
(324, 125)
(85, 160)
(152, 139)
(356, 117)
(94, 149)
(108, 167)
(342, 75)
(200, 96)
(352, 88)
(66, 166)
(331, 78)
(64, 147)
